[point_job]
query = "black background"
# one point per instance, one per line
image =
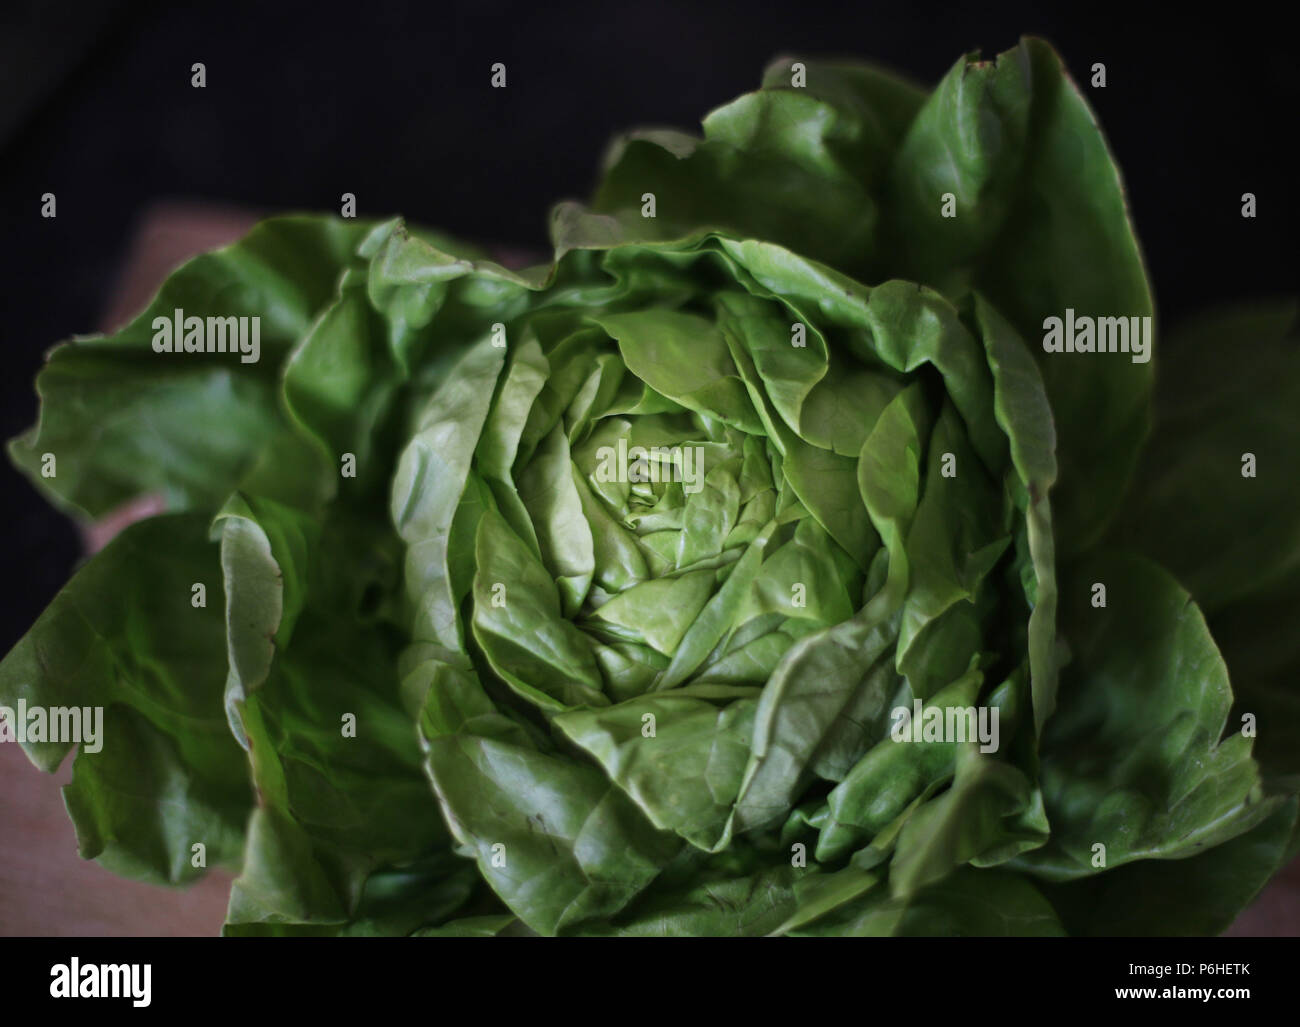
(352, 980)
(392, 102)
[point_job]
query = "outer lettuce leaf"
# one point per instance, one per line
(339, 801)
(753, 905)
(1231, 386)
(123, 634)
(1141, 756)
(397, 901)
(1042, 226)
(798, 167)
(967, 903)
(744, 894)
(123, 420)
(1199, 895)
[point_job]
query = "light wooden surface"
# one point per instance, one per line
(46, 889)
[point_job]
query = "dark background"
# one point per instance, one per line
(392, 102)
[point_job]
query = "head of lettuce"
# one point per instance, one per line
(739, 572)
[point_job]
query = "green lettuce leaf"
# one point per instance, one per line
(126, 636)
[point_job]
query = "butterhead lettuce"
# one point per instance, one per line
(750, 568)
